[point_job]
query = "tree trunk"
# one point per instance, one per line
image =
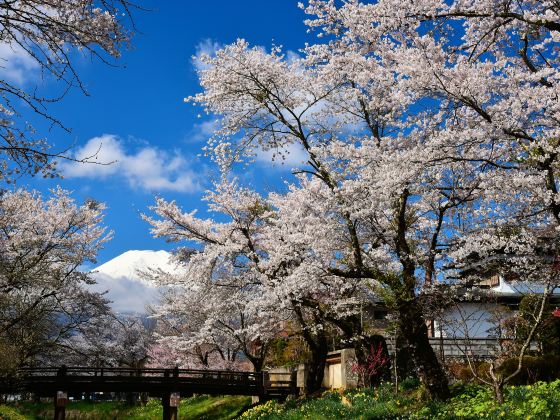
(144, 398)
(316, 366)
(403, 359)
(351, 328)
(413, 330)
(499, 392)
(257, 362)
(130, 398)
(319, 348)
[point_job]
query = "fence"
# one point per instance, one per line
(456, 348)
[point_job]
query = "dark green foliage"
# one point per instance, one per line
(538, 401)
(365, 403)
(409, 384)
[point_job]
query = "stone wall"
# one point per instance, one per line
(338, 371)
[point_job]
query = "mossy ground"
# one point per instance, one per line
(195, 408)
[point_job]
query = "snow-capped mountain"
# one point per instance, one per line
(121, 278)
(130, 263)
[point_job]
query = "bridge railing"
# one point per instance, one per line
(86, 379)
(144, 372)
(167, 384)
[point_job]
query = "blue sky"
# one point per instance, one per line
(136, 111)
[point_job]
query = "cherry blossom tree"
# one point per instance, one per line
(431, 137)
(180, 342)
(529, 258)
(210, 328)
(48, 35)
(222, 286)
(280, 102)
(239, 288)
(430, 132)
(111, 341)
(44, 244)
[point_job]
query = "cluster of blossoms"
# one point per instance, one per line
(44, 243)
(431, 133)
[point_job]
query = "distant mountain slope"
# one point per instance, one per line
(128, 291)
(129, 263)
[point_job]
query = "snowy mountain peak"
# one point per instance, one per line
(130, 263)
(125, 287)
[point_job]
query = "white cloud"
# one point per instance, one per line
(16, 65)
(205, 47)
(126, 295)
(292, 56)
(203, 131)
(148, 168)
(288, 157)
(105, 154)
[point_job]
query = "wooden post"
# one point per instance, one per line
(170, 403)
(265, 383)
(165, 398)
(60, 401)
(174, 400)
(61, 397)
(165, 405)
(170, 400)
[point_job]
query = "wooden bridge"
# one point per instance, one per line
(168, 384)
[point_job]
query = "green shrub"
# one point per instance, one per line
(534, 369)
(538, 401)
(410, 383)
(470, 401)
(365, 403)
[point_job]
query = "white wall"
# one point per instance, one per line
(333, 376)
(472, 319)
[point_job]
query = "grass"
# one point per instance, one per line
(470, 401)
(525, 402)
(11, 413)
(195, 408)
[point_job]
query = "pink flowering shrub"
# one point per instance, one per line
(375, 362)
